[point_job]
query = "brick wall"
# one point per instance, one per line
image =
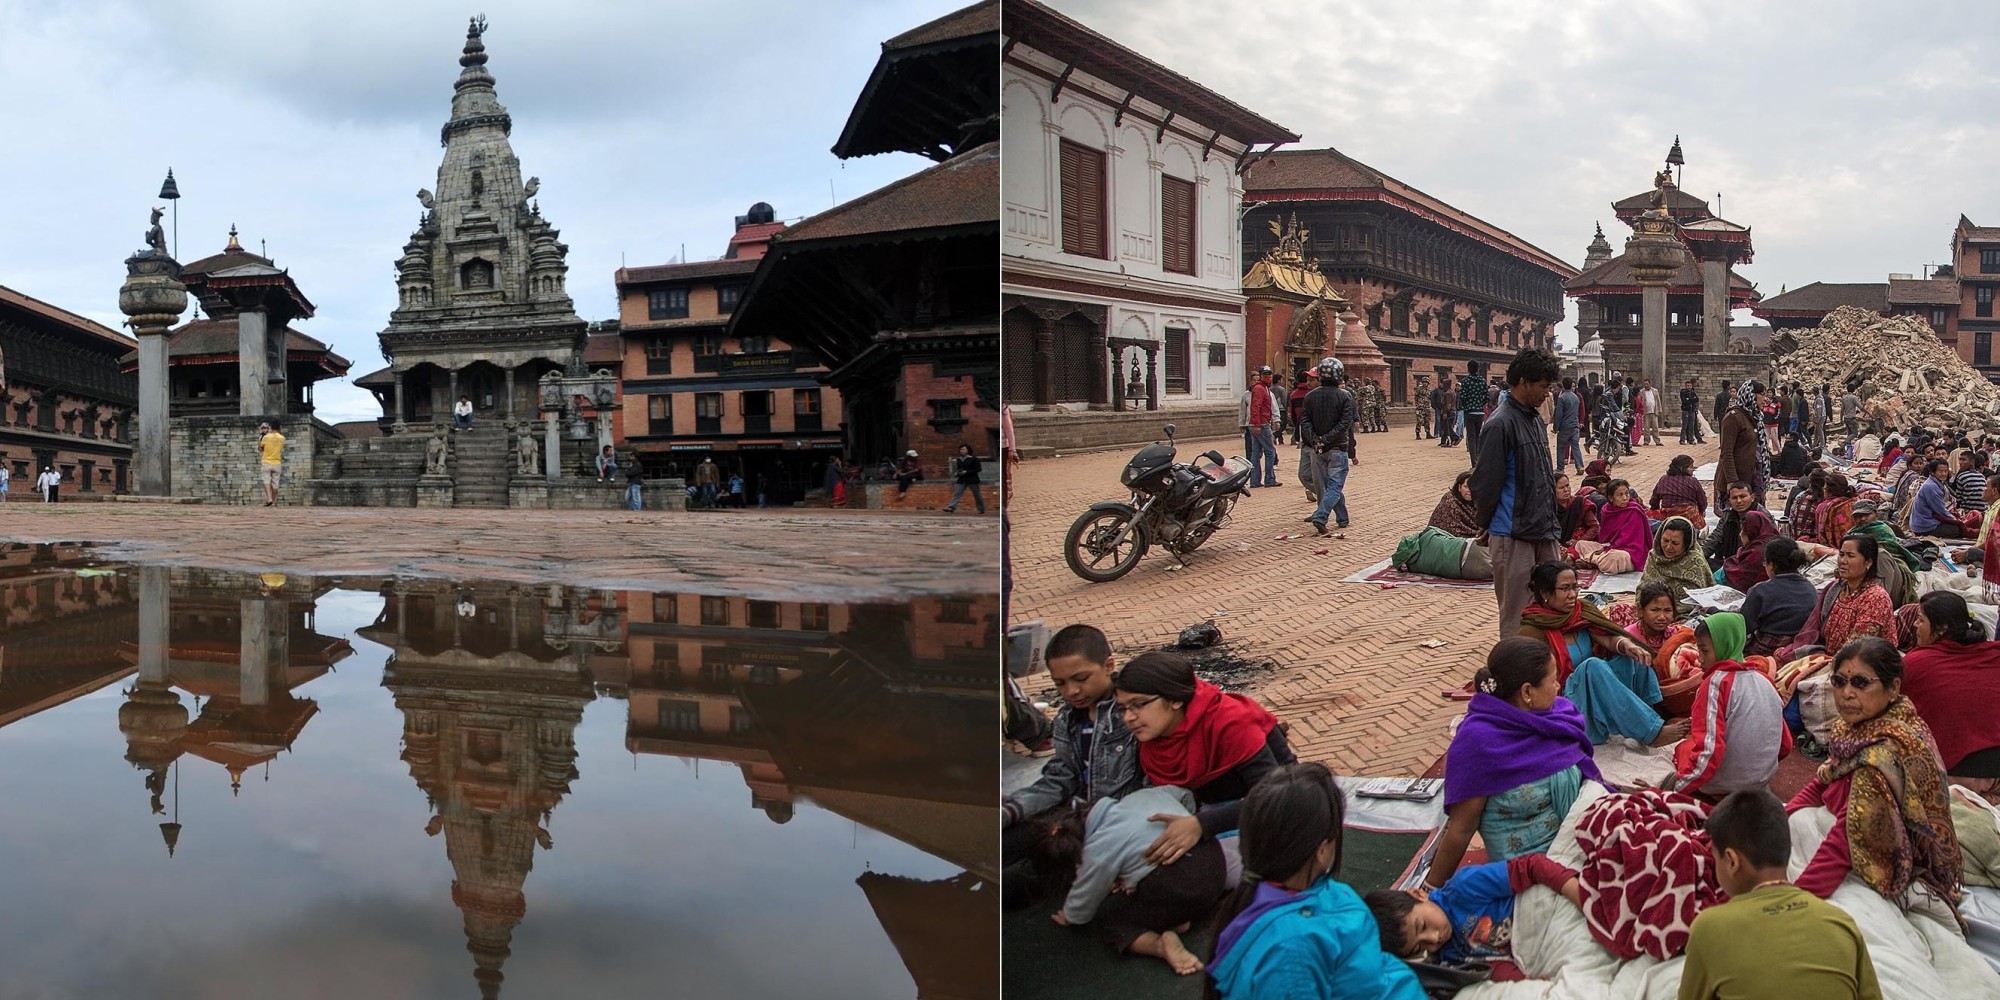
(1065, 431)
(1711, 370)
(936, 446)
(215, 458)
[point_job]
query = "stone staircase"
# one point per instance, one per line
(482, 460)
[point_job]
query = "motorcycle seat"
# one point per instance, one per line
(1224, 479)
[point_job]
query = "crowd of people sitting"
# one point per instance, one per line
(1170, 803)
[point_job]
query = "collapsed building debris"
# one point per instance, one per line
(1903, 373)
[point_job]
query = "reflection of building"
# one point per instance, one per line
(59, 631)
(881, 714)
(65, 403)
(489, 714)
(242, 647)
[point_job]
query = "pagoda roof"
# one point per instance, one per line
(1615, 276)
(1046, 30)
(1713, 225)
(1329, 174)
(1923, 291)
(1822, 297)
(1680, 205)
(957, 192)
(73, 321)
(236, 267)
(932, 88)
(214, 341)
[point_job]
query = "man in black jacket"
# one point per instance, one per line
(1514, 487)
(1327, 425)
(1690, 414)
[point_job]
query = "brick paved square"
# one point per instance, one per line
(1350, 678)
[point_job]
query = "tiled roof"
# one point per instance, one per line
(384, 377)
(1923, 291)
(1678, 201)
(1617, 273)
(1977, 234)
(1822, 296)
(692, 271)
(229, 257)
(22, 300)
(964, 190)
(1331, 169)
(980, 19)
(1045, 30)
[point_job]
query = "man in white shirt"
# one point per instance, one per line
(1652, 402)
(461, 413)
(47, 483)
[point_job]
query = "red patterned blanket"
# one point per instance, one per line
(1646, 871)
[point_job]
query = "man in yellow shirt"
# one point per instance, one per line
(1772, 938)
(270, 459)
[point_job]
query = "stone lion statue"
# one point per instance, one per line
(434, 452)
(525, 453)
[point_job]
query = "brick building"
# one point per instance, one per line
(1436, 286)
(1120, 254)
(753, 403)
(894, 291)
(65, 402)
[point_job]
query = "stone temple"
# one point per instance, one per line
(482, 312)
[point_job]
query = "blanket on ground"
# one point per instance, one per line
(1646, 872)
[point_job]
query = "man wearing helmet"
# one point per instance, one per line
(1327, 425)
(1261, 415)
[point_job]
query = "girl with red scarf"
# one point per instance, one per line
(1193, 735)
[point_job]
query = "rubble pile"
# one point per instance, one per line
(1896, 364)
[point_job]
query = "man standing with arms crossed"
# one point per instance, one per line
(1514, 487)
(270, 459)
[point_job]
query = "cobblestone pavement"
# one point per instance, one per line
(1350, 678)
(770, 555)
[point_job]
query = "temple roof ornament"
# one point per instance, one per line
(1286, 267)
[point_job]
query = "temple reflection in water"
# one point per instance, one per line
(881, 714)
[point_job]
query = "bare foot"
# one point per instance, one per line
(1177, 955)
(1183, 928)
(1673, 732)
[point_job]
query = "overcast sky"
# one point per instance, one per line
(1848, 135)
(652, 124)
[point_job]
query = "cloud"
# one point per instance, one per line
(1848, 142)
(311, 126)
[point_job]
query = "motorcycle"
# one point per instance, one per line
(1175, 505)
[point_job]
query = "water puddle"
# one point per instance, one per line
(285, 786)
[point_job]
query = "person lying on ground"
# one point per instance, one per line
(1739, 721)
(1292, 930)
(1107, 851)
(1775, 610)
(1095, 756)
(1196, 736)
(1679, 492)
(1516, 763)
(1623, 533)
(1471, 917)
(1772, 938)
(1576, 515)
(1884, 783)
(1600, 669)
(1455, 513)
(1676, 562)
(1952, 678)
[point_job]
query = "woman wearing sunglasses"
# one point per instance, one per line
(1884, 783)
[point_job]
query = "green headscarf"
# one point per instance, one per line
(1725, 633)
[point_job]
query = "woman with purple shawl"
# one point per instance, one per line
(1517, 762)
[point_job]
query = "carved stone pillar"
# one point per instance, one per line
(507, 401)
(400, 413)
(253, 362)
(154, 298)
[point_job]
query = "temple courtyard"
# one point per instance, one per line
(1347, 670)
(823, 555)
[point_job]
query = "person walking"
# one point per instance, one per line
(1327, 425)
(1651, 398)
(836, 482)
(48, 481)
(635, 497)
(1449, 426)
(1569, 417)
(461, 413)
(707, 478)
(736, 490)
(1424, 407)
(1514, 488)
(1472, 405)
(965, 466)
(270, 459)
(6, 480)
(1850, 413)
(1723, 397)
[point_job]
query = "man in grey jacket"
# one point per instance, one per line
(1514, 486)
(1569, 419)
(1095, 755)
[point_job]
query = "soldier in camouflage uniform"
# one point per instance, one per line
(1424, 408)
(1380, 409)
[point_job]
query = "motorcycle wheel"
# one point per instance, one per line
(1087, 546)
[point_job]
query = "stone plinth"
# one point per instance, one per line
(435, 491)
(215, 458)
(523, 491)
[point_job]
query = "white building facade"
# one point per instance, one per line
(1121, 193)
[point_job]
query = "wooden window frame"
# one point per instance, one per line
(1177, 341)
(1084, 224)
(1177, 226)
